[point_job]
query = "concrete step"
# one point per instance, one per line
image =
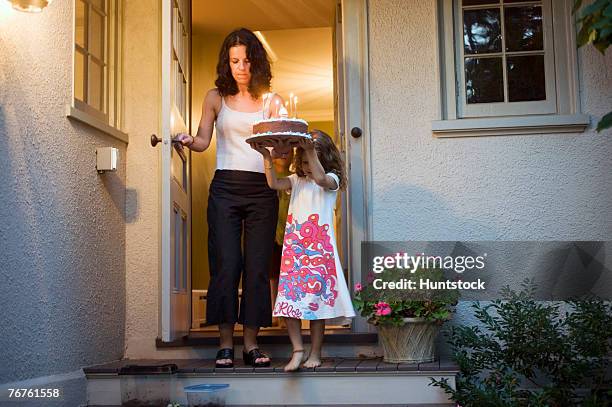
(338, 382)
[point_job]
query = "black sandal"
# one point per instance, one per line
(251, 357)
(225, 353)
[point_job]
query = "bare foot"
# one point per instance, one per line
(313, 361)
(296, 360)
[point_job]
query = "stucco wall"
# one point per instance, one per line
(143, 210)
(540, 187)
(142, 110)
(62, 228)
(74, 241)
(535, 187)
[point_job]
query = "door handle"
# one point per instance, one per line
(175, 143)
(155, 140)
(356, 132)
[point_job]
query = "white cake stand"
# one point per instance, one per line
(273, 139)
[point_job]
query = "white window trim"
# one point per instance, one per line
(86, 118)
(83, 113)
(567, 117)
(546, 106)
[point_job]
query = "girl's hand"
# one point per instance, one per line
(306, 144)
(185, 139)
(257, 146)
(281, 149)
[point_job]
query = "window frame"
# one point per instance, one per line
(110, 118)
(454, 122)
(549, 105)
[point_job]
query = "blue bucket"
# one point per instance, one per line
(211, 395)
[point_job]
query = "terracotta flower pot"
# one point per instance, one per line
(412, 342)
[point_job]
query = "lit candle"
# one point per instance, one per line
(283, 111)
(290, 104)
(265, 97)
(277, 107)
(295, 107)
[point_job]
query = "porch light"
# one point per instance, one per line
(30, 6)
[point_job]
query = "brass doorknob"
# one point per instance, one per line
(155, 140)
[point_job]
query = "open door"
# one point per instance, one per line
(354, 128)
(175, 170)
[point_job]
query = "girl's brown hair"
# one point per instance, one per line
(328, 155)
(260, 66)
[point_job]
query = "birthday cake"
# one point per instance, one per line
(281, 126)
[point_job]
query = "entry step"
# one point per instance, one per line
(337, 382)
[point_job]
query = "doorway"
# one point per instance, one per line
(300, 41)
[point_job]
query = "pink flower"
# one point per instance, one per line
(358, 287)
(382, 308)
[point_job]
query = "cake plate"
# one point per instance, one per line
(272, 140)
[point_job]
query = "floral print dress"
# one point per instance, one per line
(311, 284)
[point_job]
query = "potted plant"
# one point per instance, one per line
(408, 321)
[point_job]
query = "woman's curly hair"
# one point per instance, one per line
(328, 155)
(260, 66)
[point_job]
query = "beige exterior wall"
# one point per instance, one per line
(424, 188)
(533, 187)
(143, 182)
(81, 250)
(142, 110)
(552, 186)
(62, 225)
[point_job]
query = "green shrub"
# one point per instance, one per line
(533, 353)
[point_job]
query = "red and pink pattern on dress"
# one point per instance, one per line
(308, 266)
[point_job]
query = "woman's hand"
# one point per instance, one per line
(257, 146)
(185, 139)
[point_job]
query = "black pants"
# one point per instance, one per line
(237, 200)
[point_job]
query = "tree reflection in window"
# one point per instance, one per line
(501, 40)
(482, 31)
(523, 26)
(484, 80)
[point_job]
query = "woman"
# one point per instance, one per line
(239, 195)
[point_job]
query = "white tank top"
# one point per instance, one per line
(233, 128)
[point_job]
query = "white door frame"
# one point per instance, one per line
(166, 146)
(356, 113)
(175, 233)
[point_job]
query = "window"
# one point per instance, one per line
(97, 65)
(180, 58)
(508, 67)
(505, 58)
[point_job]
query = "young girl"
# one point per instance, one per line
(311, 285)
